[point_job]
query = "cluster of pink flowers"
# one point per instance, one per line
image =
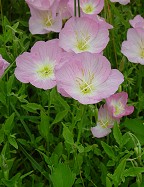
(74, 62)
(109, 114)
(133, 47)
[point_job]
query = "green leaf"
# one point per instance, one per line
(135, 125)
(117, 134)
(108, 150)
(8, 124)
(10, 83)
(68, 136)
(118, 174)
(3, 98)
(1, 135)
(133, 172)
(60, 116)
(44, 125)
(13, 142)
(34, 163)
(62, 176)
(108, 182)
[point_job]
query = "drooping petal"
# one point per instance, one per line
(100, 132)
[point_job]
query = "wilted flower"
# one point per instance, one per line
(117, 105)
(104, 123)
(3, 65)
(137, 22)
(88, 78)
(123, 2)
(133, 48)
(83, 34)
(37, 67)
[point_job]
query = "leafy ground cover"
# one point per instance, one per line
(46, 138)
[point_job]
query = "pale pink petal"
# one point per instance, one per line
(3, 65)
(100, 132)
(123, 2)
(137, 22)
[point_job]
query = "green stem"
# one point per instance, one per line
(81, 123)
(79, 8)
(139, 88)
(75, 12)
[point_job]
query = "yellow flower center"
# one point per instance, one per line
(118, 108)
(48, 20)
(46, 71)
(82, 45)
(88, 9)
(142, 53)
(82, 42)
(86, 87)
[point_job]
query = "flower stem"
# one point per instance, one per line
(79, 8)
(75, 12)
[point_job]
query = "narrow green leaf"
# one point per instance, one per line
(8, 124)
(60, 116)
(13, 142)
(108, 182)
(108, 150)
(118, 174)
(117, 134)
(34, 163)
(44, 125)
(68, 136)
(133, 172)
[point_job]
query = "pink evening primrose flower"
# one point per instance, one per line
(3, 65)
(89, 7)
(104, 124)
(37, 67)
(83, 34)
(137, 22)
(123, 2)
(117, 105)
(133, 47)
(45, 21)
(40, 4)
(88, 78)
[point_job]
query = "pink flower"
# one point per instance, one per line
(37, 67)
(104, 124)
(63, 9)
(137, 22)
(88, 78)
(88, 6)
(123, 2)
(133, 48)
(117, 106)
(45, 21)
(83, 34)
(3, 65)
(40, 4)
